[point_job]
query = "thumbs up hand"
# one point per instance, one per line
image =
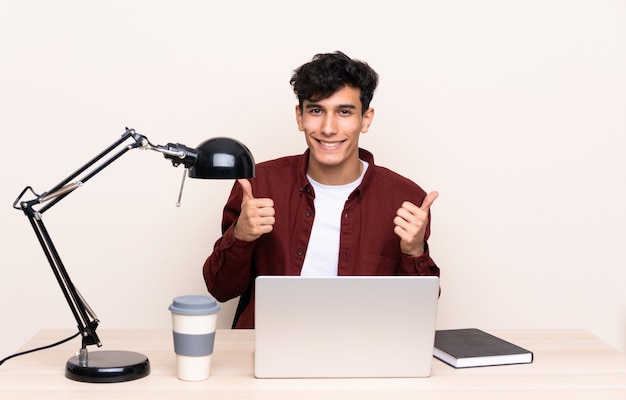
(410, 225)
(257, 215)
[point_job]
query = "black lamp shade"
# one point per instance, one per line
(223, 158)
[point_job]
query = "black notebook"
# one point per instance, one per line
(462, 348)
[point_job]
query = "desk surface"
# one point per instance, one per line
(568, 365)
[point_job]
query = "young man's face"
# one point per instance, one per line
(332, 127)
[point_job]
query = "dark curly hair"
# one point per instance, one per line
(327, 73)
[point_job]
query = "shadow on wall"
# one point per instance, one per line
(227, 314)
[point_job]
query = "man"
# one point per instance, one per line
(329, 211)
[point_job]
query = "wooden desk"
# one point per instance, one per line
(568, 365)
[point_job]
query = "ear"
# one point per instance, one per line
(299, 118)
(368, 117)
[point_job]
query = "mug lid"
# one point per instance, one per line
(194, 305)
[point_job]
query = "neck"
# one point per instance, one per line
(335, 175)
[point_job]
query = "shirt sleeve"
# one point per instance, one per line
(420, 265)
(227, 271)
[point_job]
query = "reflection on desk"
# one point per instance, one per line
(568, 365)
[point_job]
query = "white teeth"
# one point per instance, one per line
(330, 144)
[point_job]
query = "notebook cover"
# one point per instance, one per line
(473, 347)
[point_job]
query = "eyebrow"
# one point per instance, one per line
(340, 106)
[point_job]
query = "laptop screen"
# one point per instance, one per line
(348, 326)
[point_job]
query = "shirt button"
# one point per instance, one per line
(300, 252)
(308, 213)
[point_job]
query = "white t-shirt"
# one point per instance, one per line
(322, 255)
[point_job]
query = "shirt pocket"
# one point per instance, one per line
(375, 264)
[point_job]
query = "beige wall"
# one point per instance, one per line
(514, 111)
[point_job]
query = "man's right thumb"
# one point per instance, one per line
(247, 189)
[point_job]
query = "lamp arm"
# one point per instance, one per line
(86, 319)
(33, 209)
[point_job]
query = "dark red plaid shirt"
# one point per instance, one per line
(368, 244)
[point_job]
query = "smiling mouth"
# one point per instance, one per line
(330, 144)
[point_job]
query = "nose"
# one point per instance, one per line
(329, 125)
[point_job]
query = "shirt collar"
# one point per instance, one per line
(305, 185)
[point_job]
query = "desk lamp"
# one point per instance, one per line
(218, 158)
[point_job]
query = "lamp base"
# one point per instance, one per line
(109, 366)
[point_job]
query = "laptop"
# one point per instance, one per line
(345, 327)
